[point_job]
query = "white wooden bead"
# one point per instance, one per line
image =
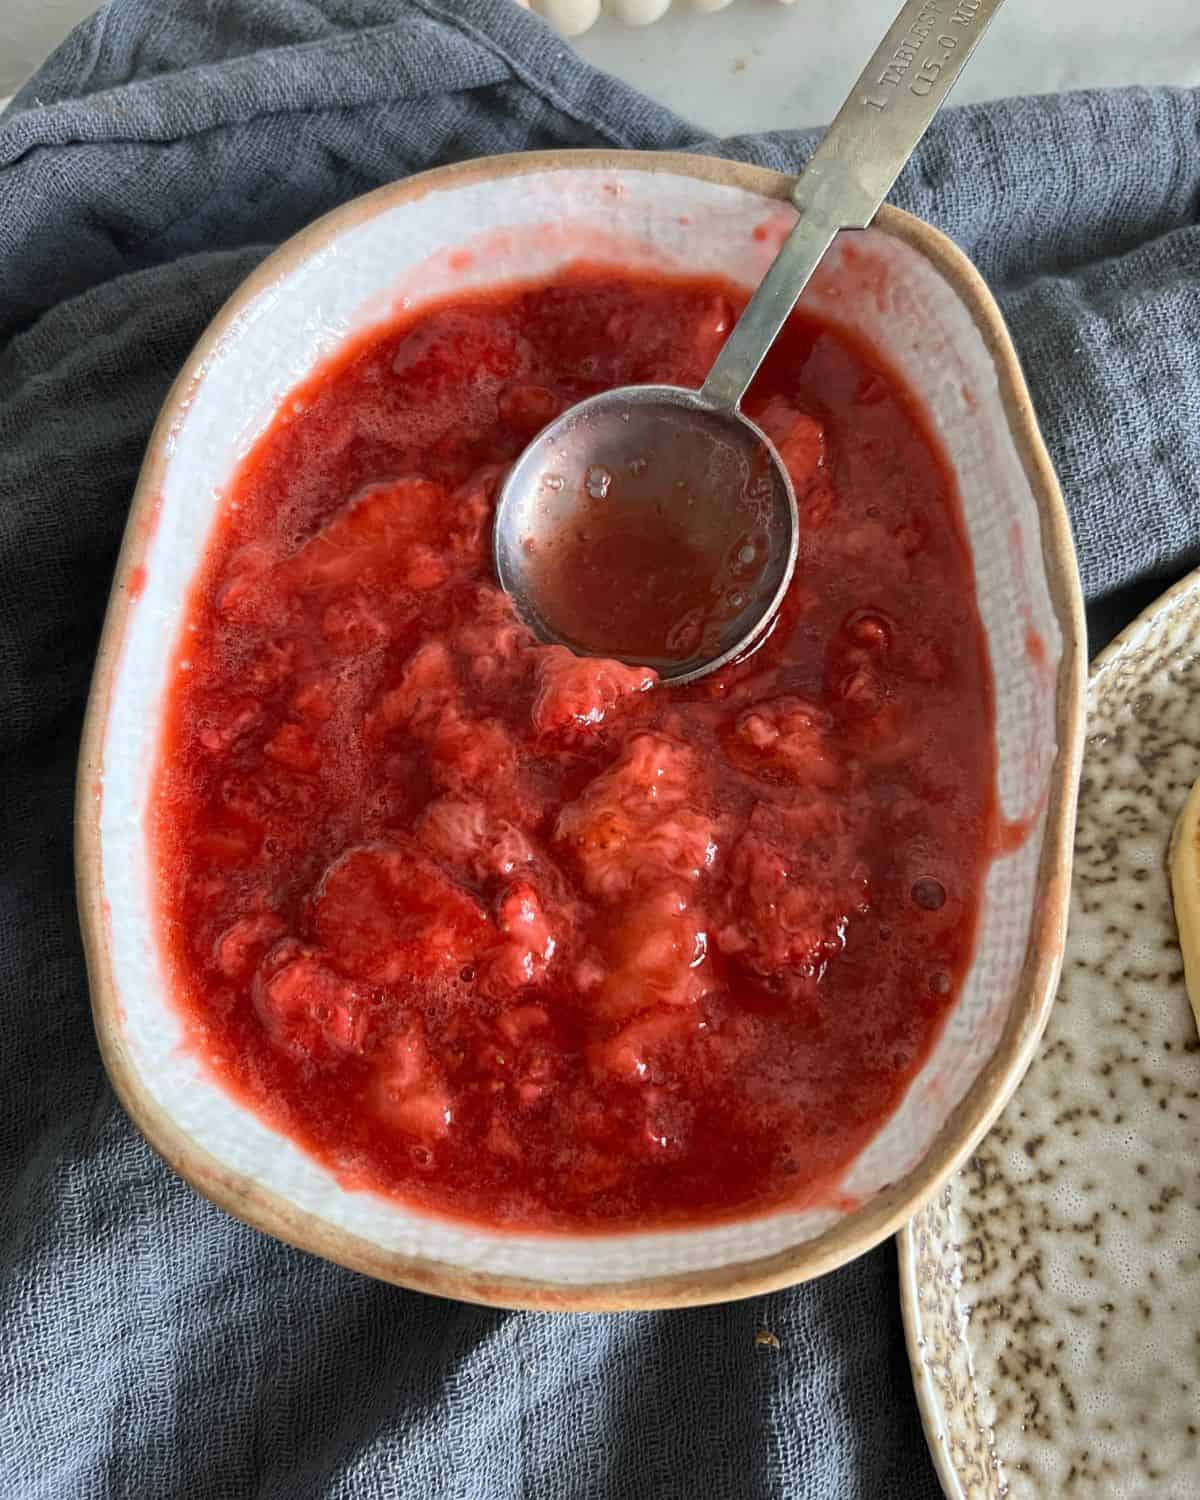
(574, 17)
(638, 12)
(569, 17)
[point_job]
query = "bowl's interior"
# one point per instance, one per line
(473, 229)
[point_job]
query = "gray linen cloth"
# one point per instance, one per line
(149, 1345)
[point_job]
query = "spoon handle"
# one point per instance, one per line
(853, 168)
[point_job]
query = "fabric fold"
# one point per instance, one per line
(149, 1344)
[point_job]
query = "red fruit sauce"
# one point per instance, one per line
(527, 938)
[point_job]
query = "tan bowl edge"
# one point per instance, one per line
(958, 1137)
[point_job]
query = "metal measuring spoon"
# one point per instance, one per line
(658, 525)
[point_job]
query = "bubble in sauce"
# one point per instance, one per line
(598, 481)
(929, 894)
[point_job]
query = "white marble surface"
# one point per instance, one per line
(760, 65)
(29, 30)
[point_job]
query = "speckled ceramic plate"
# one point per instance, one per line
(1051, 1290)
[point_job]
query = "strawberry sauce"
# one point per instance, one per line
(532, 939)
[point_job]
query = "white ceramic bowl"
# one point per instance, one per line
(912, 295)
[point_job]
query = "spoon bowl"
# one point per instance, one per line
(608, 543)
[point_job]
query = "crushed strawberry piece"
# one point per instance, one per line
(494, 643)
(656, 955)
(464, 835)
(240, 947)
(795, 885)
(790, 738)
(427, 686)
(309, 1009)
(469, 755)
(294, 746)
(225, 724)
(376, 537)
(798, 437)
(387, 914)
(408, 1093)
(575, 693)
(530, 937)
(350, 626)
(635, 823)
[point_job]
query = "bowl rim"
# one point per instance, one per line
(859, 1230)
